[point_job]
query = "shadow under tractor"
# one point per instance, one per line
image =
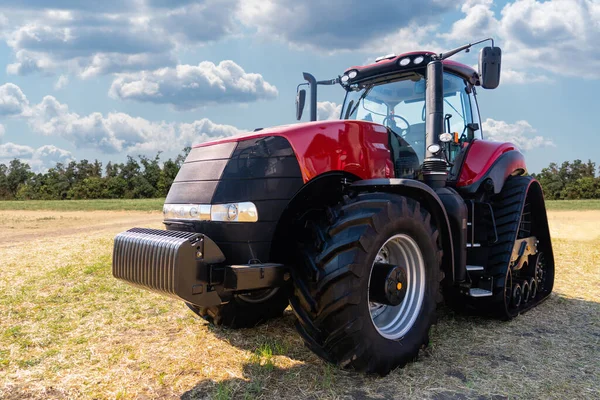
(363, 224)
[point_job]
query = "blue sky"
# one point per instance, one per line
(103, 80)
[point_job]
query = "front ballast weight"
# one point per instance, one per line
(187, 266)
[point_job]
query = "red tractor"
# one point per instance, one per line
(362, 224)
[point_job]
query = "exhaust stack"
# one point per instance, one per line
(434, 166)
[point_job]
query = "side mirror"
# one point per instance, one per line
(300, 100)
(489, 67)
(471, 129)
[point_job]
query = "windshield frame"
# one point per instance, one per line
(383, 80)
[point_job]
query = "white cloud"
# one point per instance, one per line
(61, 82)
(110, 133)
(559, 36)
(12, 100)
(193, 86)
(336, 24)
(2, 130)
(96, 38)
(203, 130)
(104, 6)
(120, 132)
(88, 45)
(12, 150)
(39, 159)
(204, 21)
(90, 39)
(414, 37)
(479, 21)
(328, 110)
(521, 133)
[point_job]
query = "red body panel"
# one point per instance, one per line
(481, 157)
(358, 147)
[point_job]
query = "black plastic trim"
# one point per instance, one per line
(261, 170)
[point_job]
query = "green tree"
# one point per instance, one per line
(18, 174)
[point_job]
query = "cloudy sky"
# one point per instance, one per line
(87, 79)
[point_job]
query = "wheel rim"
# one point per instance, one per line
(393, 322)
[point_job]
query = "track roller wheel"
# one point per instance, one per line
(526, 292)
(533, 285)
(517, 296)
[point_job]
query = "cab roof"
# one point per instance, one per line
(391, 64)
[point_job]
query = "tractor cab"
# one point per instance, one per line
(393, 92)
(399, 105)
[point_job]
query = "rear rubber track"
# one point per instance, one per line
(508, 210)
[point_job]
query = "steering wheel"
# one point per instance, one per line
(390, 118)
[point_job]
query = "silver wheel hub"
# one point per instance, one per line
(394, 322)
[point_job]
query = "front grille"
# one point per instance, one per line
(148, 258)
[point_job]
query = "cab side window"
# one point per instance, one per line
(457, 105)
(475, 112)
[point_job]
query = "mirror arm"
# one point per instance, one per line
(329, 82)
(452, 52)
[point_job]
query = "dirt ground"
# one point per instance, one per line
(19, 226)
(69, 330)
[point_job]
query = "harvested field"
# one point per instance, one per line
(69, 330)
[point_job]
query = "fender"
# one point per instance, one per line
(425, 194)
(489, 160)
(324, 190)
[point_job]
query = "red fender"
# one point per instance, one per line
(481, 157)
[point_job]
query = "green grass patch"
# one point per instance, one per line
(156, 205)
(573, 205)
(85, 205)
(224, 391)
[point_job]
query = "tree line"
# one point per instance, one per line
(137, 178)
(144, 177)
(570, 180)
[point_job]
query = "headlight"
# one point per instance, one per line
(418, 60)
(233, 212)
(404, 62)
(445, 137)
(434, 148)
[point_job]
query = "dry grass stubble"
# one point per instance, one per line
(69, 330)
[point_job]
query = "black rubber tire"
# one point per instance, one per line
(331, 286)
(238, 313)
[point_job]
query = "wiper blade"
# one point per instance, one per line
(362, 96)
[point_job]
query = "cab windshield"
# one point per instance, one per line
(400, 106)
